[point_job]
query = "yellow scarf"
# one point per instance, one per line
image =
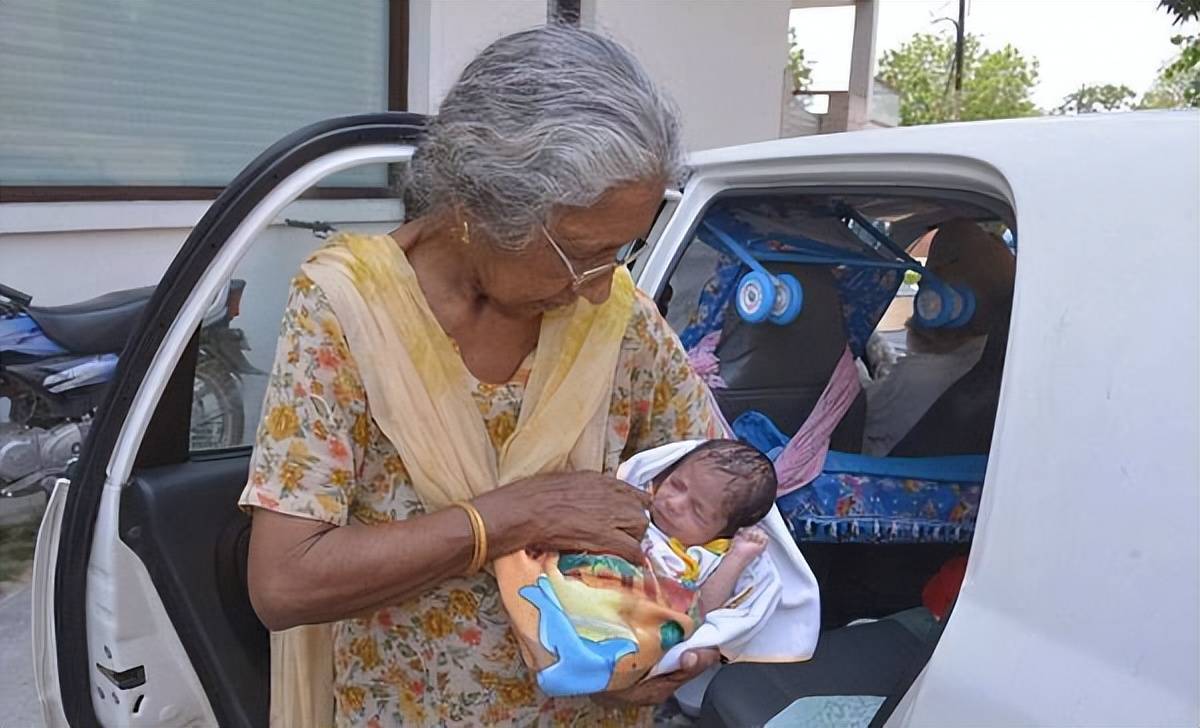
(412, 373)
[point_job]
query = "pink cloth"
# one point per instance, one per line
(804, 456)
(703, 357)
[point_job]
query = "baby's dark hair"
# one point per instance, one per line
(752, 489)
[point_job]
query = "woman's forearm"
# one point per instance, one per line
(307, 572)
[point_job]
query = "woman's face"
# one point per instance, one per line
(535, 279)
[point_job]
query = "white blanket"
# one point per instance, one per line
(775, 613)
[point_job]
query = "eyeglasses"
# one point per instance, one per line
(626, 254)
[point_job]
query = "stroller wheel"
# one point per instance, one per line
(789, 300)
(755, 297)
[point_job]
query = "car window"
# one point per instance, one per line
(895, 498)
(239, 334)
(856, 262)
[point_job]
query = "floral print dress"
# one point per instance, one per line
(447, 657)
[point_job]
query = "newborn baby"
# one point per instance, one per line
(711, 577)
(705, 506)
(595, 623)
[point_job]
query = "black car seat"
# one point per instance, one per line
(960, 422)
(781, 371)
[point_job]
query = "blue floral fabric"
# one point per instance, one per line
(845, 507)
(709, 314)
(866, 294)
(863, 499)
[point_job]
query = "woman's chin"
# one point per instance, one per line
(533, 309)
(554, 304)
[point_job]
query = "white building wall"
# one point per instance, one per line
(721, 60)
(444, 35)
(66, 252)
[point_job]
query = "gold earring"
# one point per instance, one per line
(466, 233)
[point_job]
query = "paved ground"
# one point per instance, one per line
(17, 510)
(18, 700)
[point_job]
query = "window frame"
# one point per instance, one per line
(397, 100)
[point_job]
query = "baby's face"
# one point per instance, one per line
(689, 504)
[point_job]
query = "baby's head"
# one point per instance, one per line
(710, 493)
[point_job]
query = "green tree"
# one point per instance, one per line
(1184, 10)
(1185, 69)
(1170, 90)
(1090, 99)
(800, 69)
(996, 84)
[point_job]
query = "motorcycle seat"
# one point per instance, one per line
(99, 325)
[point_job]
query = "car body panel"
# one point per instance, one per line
(1080, 601)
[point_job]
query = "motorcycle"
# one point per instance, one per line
(55, 363)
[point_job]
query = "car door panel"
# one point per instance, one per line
(107, 598)
(184, 524)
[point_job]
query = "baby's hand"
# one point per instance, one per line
(748, 543)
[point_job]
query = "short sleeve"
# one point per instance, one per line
(314, 428)
(670, 401)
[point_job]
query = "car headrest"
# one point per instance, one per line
(803, 352)
(961, 421)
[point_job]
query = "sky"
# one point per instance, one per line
(1076, 41)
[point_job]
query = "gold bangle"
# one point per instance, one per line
(479, 529)
(481, 544)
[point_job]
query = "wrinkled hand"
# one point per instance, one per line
(657, 690)
(579, 511)
(748, 543)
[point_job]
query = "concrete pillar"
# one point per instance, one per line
(862, 64)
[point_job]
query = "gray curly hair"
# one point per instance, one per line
(550, 116)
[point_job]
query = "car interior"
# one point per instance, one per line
(872, 550)
(871, 557)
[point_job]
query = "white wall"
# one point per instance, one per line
(70, 251)
(444, 35)
(722, 60)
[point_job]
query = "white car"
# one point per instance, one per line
(1081, 602)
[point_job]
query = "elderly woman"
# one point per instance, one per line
(377, 494)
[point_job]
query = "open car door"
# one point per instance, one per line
(141, 613)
